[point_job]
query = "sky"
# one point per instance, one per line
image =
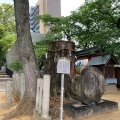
(66, 5)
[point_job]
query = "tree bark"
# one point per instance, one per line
(56, 50)
(28, 59)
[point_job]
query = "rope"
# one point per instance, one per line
(61, 50)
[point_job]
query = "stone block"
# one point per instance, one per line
(36, 116)
(110, 88)
(79, 110)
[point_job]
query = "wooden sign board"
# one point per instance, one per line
(63, 65)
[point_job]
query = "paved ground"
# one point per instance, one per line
(114, 115)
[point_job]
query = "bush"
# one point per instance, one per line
(15, 66)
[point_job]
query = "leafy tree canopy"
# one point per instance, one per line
(2, 30)
(7, 17)
(7, 30)
(96, 23)
(59, 27)
(98, 20)
(7, 41)
(5, 44)
(41, 47)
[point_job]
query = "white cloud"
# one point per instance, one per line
(70, 5)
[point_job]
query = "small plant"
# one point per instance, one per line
(15, 66)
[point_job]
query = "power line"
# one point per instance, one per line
(6, 10)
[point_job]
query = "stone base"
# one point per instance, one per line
(110, 88)
(79, 110)
(36, 116)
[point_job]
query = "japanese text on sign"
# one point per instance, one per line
(63, 66)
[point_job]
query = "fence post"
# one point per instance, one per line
(37, 94)
(9, 93)
(46, 97)
(40, 96)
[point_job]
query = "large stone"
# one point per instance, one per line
(92, 85)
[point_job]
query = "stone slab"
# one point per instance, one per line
(110, 88)
(79, 110)
(5, 79)
(3, 73)
(4, 76)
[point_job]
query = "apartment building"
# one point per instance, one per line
(34, 24)
(42, 7)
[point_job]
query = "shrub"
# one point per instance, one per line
(15, 66)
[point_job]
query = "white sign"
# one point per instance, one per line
(63, 65)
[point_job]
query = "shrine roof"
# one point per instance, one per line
(101, 60)
(87, 51)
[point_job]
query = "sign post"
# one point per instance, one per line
(63, 66)
(61, 97)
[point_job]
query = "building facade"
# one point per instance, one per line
(34, 24)
(42, 7)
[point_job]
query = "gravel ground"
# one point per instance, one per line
(3, 111)
(114, 115)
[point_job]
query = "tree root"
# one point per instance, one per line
(25, 107)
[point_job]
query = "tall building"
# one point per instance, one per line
(42, 7)
(34, 24)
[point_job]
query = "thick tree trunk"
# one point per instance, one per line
(56, 50)
(28, 59)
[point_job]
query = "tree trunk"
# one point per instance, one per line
(28, 59)
(56, 50)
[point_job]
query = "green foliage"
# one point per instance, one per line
(7, 30)
(94, 24)
(41, 48)
(15, 66)
(59, 27)
(98, 20)
(5, 44)
(7, 18)
(2, 30)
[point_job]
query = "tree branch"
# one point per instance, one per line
(107, 13)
